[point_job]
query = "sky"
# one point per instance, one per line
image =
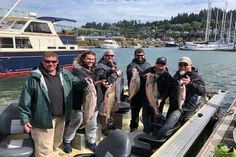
(112, 11)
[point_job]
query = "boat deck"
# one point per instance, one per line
(222, 133)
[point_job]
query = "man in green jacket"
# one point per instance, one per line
(46, 102)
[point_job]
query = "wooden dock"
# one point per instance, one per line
(222, 133)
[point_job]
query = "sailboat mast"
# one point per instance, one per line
(13, 7)
(208, 21)
(223, 23)
(229, 32)
(217, 22)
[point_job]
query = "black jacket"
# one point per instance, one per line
(141, 67)
(195, 89)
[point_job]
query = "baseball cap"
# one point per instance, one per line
(161, 60)
(185, 60)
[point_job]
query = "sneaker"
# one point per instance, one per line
(92, 146)
(67, 148)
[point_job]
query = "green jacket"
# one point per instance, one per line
(34, 101)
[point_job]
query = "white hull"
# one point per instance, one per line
(200, 47)
(109, 44)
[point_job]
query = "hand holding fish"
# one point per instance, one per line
(105, 83)
(134, 71)
(186, 80)
(87, 79)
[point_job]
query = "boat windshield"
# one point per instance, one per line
(13, 25)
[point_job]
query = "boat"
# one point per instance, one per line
(109, 44)
(171, 44)
(178, 144)
(217, 45)
(23, 39)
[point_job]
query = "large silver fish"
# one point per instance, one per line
(119, 83)
(89, 103)
(110, 103)
(152, 92)
(181, 95)
(134, 86)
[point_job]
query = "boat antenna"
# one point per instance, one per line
(12, 8)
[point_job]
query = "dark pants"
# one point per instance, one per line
(135, 109)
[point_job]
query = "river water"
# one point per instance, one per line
(218, 70)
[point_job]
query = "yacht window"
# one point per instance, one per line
(22, 42)
(18, 25)
(51, 47)
(72, 48)
(38, 27)
(61, 47)
(6, 43)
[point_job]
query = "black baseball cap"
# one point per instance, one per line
(161, 60)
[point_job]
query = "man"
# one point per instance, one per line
(164, 83)
(45, 104)
(139, 64)
(195, 87)
(106, 69)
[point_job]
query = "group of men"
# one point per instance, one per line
(47, 96)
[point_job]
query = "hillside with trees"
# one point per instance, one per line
(184, 26)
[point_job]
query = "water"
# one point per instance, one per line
(217, 69)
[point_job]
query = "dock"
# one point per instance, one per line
(223, 133)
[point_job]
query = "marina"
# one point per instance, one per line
(23, 40)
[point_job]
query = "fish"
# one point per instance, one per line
(119, 83)
(89, 103)
(110, 103)
(152, 92)
(134, 86)
(181, 95)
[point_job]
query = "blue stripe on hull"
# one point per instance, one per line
(21, 61)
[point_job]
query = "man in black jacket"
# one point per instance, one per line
(195, 87)
(164, 84)
(139, 64)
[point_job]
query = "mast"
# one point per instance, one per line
(208, 21)
(11, 10)
(217, 22)
(229, 32)
(223, 23)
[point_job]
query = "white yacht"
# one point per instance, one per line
(109, 44)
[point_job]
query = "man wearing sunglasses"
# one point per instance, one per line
(106, 69)
(138, 64)
(46, 102)
(195, 87)
(164, 84)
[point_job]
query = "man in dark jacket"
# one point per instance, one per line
(164, 84)
(139, 64)
(195, 87)
(46, 102)
(106, 69)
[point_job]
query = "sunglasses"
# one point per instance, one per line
(161, 63)
(183, 64)
(109, 55)
(50, 61)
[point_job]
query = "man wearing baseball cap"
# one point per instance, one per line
(195, 87)
(164, 83)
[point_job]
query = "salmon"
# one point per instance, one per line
(110, 103)
(119, 86)
(181, 95)
(134, 86)
(152, 93)
(89, 103)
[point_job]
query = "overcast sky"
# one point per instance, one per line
(110, 11)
